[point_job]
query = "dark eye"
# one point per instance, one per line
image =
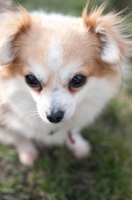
(32, 81)
(77, 81)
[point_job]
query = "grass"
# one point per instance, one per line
(69, 6)
(105, 175)
(73, 7)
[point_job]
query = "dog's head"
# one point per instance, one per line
(63, 60)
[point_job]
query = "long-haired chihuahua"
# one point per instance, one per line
(56, 75)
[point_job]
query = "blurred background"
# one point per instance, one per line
(73, 7)
(107, 173)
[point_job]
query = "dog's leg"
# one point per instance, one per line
(73, 140)
(78, 145)
(26, 149)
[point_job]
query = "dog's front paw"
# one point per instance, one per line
(27, 152)
(82, 150)
(28, 158)
(78, 146)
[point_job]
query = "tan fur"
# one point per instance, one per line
(23, 25)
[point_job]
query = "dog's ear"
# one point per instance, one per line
(109, 30)
(12, 26)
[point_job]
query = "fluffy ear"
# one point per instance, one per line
(110, 31)
(12, 25)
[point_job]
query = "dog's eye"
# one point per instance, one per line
(32, 81)
(77, 81)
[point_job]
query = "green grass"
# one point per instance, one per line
(69, 6)
(73, 7)
(105, 175)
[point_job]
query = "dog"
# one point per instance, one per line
(56, 75)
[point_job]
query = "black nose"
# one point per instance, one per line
(55, 117)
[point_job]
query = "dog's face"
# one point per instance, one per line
(62, 63)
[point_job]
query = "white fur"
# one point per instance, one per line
(37, 70)
(24, 119)
(107, 53)
(55, 57)
(5, 52)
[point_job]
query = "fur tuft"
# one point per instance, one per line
(111, 31)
